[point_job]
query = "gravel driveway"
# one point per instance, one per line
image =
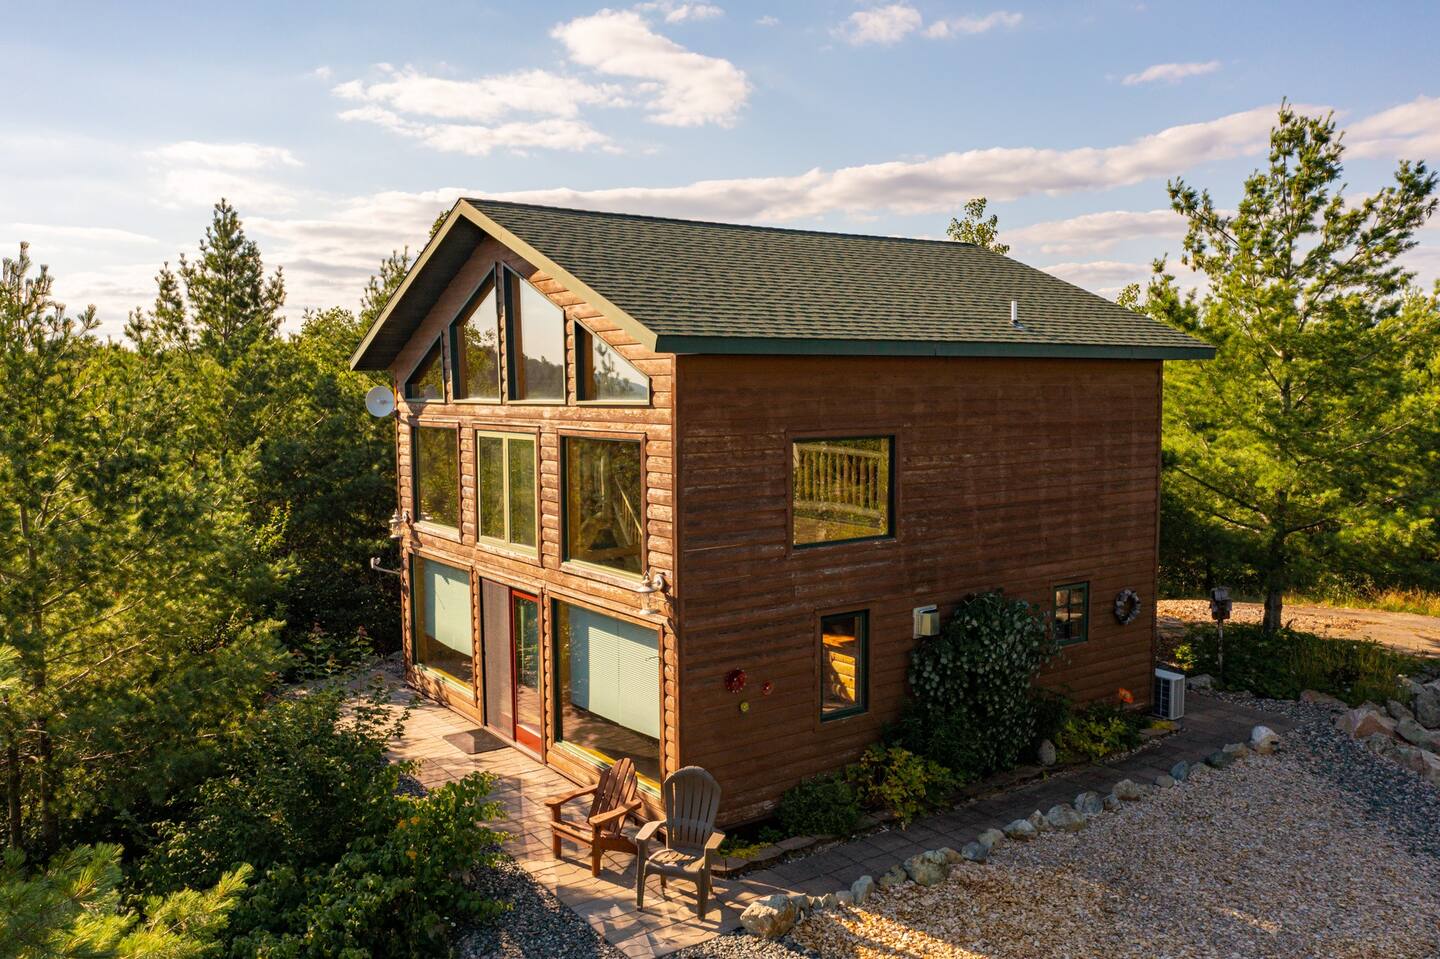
(1323, 850)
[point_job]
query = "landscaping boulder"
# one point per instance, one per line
(1398, 710)
(1164, 781)
(770, 918)
(1128, 790)
(1089, 804)
(1046, 753)
(861, 889)
(975, 852)
(1425, 701)
(928, 868)
(1380, 744)
(990, 838)
(1416, 735)
(1064, 818)
(1264, 740)
(894, 876)
(1111, 801)
(1220, 759)
(1037, 819)
(951, 856)
(844, 898)
(1364, 721)
(1322, 699)
(1238, 750)
(1202, 681)
(1180, 771)
(1020, 829)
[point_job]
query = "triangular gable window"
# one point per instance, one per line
(603, 375)
(475, 346)
(536, 330)
(427, 381)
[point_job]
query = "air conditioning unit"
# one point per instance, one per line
(1169, 694)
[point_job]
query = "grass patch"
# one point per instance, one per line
(1418, 601)
(1282, 664)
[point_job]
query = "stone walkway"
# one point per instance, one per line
(607, 903)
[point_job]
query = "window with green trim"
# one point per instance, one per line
(427, 380)
(535, 327)
(435, 465)
(603, 509)
(505, 477)
(840, 489)
(475, 347)
(602, 375)
(1072, 613)
(843, 639)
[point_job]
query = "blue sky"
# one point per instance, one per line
(341, 130)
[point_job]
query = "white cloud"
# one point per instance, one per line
(681, 87)
(77, 235)
(1096, 232)
(224, 156)
(1410, 130)
(768, 21)
(322, 72)
(883, 25)
(550, 133)
(485, 100)
(941, 29)
(1170, 72)
(680, 12)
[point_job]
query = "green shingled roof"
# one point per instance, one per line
(698, 287)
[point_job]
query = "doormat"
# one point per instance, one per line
(476, 740)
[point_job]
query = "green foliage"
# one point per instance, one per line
(73, 910)
(1096, 731)
(1309, 442)
(895, 779)
(1284, 663)
(822, 806)
(397, 894)
(972, 708)
(976, 228)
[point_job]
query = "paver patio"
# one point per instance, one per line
(607, 902)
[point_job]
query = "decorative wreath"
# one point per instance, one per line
(1127, 606)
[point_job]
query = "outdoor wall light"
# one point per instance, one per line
(654, 582)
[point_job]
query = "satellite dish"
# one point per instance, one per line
(380, 401)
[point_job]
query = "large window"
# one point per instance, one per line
(604, 503)
(440, 606)
(435, 462)
(427, 380)
(475, 346)
(602, 375)
(536, 328)
(505, 476)
(840, 489)
(608, 688)
(1072, 613)
(842, 664)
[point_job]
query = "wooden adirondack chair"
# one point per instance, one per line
(616, 797)
(692, 800)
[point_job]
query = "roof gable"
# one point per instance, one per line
(685, 286)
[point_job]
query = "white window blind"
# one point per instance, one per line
(615, 670)
(447, 605)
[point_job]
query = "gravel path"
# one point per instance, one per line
(1409, 632)
(1324, 850)
(537, 925)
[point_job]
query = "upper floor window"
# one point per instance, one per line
(1072, 613)
(505, 477)
(840, 489)
(536, 330)
(604, 503)
(603, 375)
(427, 380)
(842, 663)
(435, 465)
(475, 347)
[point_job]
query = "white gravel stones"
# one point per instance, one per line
(1020, 830)
(1339, 885)
(1127, 790)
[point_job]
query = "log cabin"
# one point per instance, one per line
(683, 492)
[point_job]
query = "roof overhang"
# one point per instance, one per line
(453, 244)
(796, 346)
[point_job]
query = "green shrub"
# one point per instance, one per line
(897, 780)
(972, 707)
(1282, 664)
(823, 806)
(1096, 731)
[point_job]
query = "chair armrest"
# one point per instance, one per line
(559, 801)
(647, 832)
(713, 843)
(600, 820)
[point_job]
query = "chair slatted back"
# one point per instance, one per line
(692, 801)
(617, 787)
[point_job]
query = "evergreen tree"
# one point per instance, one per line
(233, 306)
(1315, 424)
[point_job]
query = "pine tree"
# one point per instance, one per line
(1316, 421)
(233, 306)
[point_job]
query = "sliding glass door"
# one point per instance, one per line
(525, 630)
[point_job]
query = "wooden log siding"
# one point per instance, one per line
(1020, 474)
(545, 574)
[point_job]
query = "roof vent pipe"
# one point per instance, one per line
(1015, 316)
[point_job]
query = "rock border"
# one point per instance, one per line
(773, 916)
